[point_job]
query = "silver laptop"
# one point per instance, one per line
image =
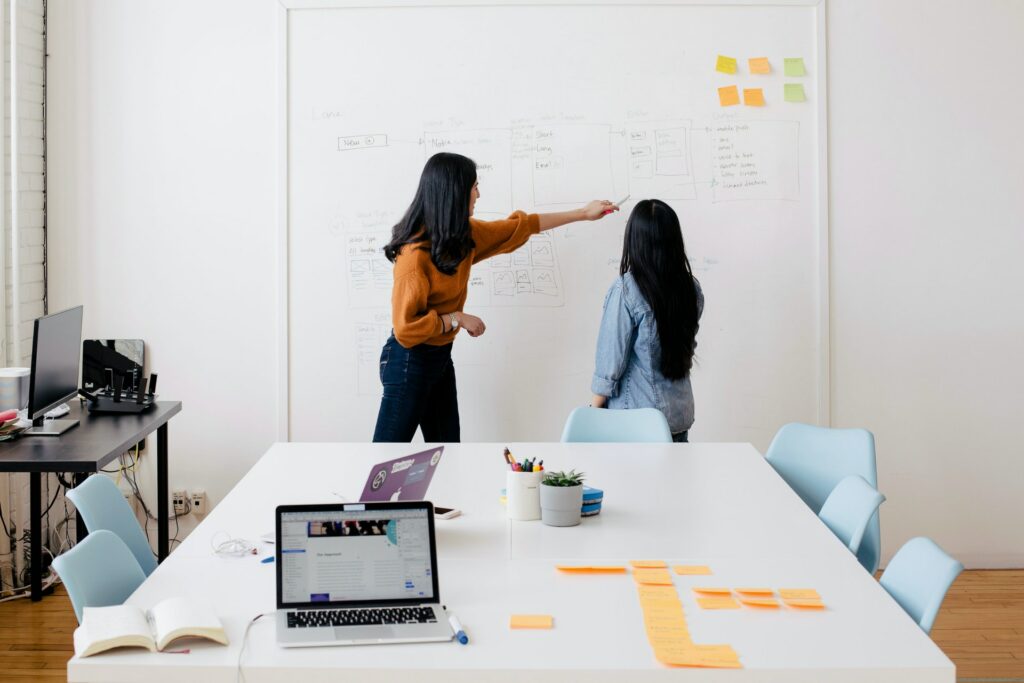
(357, 574)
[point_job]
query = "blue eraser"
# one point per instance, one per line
(592, 495)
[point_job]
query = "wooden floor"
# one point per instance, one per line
(980, 627)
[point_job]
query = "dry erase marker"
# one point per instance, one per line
(618, 203)
(460, 635)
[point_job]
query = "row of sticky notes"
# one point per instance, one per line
(681, 569)
(722, 598)
(591, 569)
(669, 635)
(729, 96)
(793, 67)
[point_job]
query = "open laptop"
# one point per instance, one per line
(358, 573)
(405, 478)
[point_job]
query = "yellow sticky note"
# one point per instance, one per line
(649, 564)
(759, 65)
(713, 591)
(652, 575)
(794, 66)
(541, 621)
(755, 601)
(799, 593)
(726, 65)
(753, 97)
(691, 569)
(794, 92)
(591, 569)
(718, 602)
(728, 96)
(804, 603)
(755, 591)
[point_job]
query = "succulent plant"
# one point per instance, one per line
(571, 478)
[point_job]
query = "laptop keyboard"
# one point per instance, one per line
(361, 617)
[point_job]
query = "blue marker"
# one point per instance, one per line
(460, 635)
(267, 560)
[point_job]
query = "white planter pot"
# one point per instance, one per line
(561, 505)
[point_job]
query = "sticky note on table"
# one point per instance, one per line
(755, 591)
(804, 603)
(726, 65)
(691, 569)
(717, 602)
(708, 656)
(759, 601)
(794, 92)
(799, 593)
(728, 96)
(540, 621)
(794, 66)
(753, 97)
(649, 564)
(657, 592)
(712, 590)
(759, 65)
(591, 569)
(658, 576)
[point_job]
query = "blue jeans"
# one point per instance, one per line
(419, 391)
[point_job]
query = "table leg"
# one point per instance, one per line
(161, 493)
(80, 531)
(35, 511)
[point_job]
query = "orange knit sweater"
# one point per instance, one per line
(422, 293)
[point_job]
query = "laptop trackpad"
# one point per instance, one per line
(369, 633)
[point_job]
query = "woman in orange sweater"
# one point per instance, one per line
(433, 247)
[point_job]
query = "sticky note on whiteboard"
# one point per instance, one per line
(794, 66)
(726, 65)
(753, 97)
(759, 65)
(794, 92)
(728, 96)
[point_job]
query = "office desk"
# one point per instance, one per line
(86, 448)
(715, 504)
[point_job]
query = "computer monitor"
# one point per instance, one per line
(56, 344)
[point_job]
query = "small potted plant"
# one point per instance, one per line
(561, 498)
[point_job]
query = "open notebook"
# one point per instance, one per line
(104, 628)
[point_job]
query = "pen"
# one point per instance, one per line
(460, 635)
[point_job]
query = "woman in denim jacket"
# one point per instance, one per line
(648, 333)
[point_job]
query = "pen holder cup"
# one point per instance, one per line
(522, 490)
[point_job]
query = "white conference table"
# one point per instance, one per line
(715, 504)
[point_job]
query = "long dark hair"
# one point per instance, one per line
(653, 251)
(439, 213)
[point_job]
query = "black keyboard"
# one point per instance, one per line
(361, 617)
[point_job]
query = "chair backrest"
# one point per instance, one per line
(812, 460)
(102, 506)
(849, 508)
(601, 425)
(918, 577)
(98, 572)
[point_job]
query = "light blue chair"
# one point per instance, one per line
(812, 460)
(102, 506)
(849, 508)
(99, 572)
(601, 425)
(918, 577)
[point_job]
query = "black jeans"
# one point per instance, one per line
(419, 391)
(682, 437)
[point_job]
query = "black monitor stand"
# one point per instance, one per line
(43, 427)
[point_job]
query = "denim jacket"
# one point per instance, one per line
(629, 357)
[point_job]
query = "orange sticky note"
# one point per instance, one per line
(799, 593)
(708, 656)
(759, 602)
(713, 591)
(592, 569)
(648, 564)
(657, 593)
(652, 575)
(727, 65)
(691, 569)
(541, 621)
(718, 602)
(804, 603)
(728, 96)
(755, 591)
(753, 97)
(759, 65)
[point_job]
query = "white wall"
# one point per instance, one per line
(927, 199)
(162, 140)
(162, 209)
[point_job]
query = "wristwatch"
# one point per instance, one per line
(454, 321)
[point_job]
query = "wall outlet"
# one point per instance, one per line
(199, 502)
(178, 501)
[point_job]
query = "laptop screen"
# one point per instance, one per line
(356, 554)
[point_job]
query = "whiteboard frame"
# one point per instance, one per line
(824, 293)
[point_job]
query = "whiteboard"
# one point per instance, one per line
(557, 105)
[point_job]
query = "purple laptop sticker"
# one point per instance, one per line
(405, 478)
